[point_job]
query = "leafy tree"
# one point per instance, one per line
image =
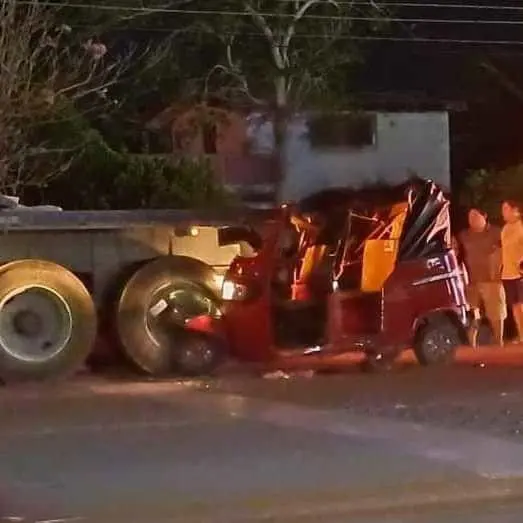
(171, 60)
(45, 72)
(486, 189)
(280, 56)
(284, 54)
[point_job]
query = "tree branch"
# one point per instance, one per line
(503, 79)
(262, 24)
(44, 70)
(300, 13)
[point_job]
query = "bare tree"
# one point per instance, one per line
(44, 70)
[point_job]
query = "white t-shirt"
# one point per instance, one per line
(511, 250)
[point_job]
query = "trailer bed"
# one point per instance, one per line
(37, 220)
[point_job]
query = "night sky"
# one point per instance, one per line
(489, 133)
(440, 67)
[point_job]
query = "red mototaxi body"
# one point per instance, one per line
(355, 320)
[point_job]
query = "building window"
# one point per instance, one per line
(342, 130)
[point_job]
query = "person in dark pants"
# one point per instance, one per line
(512, 256)
(480, 247)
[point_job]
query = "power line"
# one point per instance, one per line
(317, 36)
(424, 5)
(421, 40)
(269, 14)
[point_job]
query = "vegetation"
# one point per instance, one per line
(80, 81)
(48, 76)
(280, 56)
(59, 84)
(103, 178)
(486, 189)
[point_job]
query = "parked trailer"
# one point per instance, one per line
(67, 277)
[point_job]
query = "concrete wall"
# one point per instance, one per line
(404, 144)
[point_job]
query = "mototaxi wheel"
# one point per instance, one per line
(437, 339)
(198, 354)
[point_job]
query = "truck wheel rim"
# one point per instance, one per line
(35, 324)
(171, 306)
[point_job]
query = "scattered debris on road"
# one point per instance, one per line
(281, 375)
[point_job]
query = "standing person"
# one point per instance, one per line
(480, 247)
(512, 256)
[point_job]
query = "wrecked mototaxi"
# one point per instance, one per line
(352, 277)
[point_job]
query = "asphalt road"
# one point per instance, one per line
(242, 448)
(146, 451)
(483, 392)
(478, 513)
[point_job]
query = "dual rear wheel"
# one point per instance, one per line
(48, 321)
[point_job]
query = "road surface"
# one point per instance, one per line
(391, 448)
(477, 513)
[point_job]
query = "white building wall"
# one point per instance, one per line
(404, 144)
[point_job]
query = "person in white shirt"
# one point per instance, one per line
(511, 259)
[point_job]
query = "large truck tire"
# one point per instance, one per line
(152, 310)
(106, 353)
(47, 321)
